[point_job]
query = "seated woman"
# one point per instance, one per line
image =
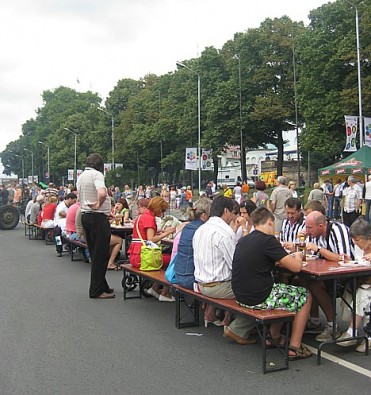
(146, 224)
(49, 211)
(184, 266)
(122, 208)
(360, 232)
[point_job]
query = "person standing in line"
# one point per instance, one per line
(367, 197)
(352, 201)
(337, 199)
(95, 211)
(278, 198)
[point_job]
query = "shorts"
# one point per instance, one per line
(283, 297)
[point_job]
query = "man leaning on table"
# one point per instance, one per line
(331, 242)
(255, 257)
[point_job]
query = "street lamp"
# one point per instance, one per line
(18, 156)
(31, 162)
(112, 135)
(359, 76)
(243, 166)
(46, 145)
(75, 164)
(182, 65)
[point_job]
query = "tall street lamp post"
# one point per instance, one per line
(31, 162)
(112, 135)
(18, 156)
(46, 145)
(243, 161)
(75, 164)
(359, 76)
(182, 65)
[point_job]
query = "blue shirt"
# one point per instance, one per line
(184, 265)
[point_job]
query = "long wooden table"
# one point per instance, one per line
(321, 269)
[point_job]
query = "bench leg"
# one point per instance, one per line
(191, 309)
(263, 334)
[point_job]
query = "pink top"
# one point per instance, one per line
(71, 218)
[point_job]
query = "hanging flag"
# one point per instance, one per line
(206, 159)
(351, 133)
(191, 159)
(367, 131)
(107, 168)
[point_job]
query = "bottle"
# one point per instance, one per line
(58, 240)
(303, 248)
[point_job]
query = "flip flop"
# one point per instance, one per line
(301, 352)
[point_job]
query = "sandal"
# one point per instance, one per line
(274, 342)
(301, 352)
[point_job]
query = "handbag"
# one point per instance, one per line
(150, 255)
(170, 272)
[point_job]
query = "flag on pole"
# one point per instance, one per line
(206, 159)
(367, 131)
(191, 159)
(351, 133)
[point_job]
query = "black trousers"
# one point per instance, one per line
(349, 218)
(98, 235)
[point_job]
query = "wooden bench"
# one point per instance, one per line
(262, 318)
(41, 233)
(73, 245)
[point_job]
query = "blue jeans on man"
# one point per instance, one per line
(368, 207)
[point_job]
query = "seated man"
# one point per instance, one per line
(255, 258)
(213, 247)
(332, 241)
(294, 224)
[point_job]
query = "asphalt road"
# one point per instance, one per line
(55, 340)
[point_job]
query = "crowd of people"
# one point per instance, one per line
(228, 245)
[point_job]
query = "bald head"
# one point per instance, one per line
(315, 224)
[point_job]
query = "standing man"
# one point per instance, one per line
(352, 201)
(368, 199)
(278, 198)
(95, 211)
(337, 199)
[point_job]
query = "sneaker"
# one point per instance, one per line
(163, 298)
(362, 346)
(348, 343)
(313, 328)
(326, 334)
(152, 292)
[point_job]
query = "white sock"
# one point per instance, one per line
(350, 332)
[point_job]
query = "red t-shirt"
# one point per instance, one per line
(49, 211)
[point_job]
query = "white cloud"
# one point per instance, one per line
(49, 43)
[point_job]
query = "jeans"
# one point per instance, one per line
(368, 206)
(329, 206)
(337, 208)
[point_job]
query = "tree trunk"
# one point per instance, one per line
(216, 169)
(279, 153)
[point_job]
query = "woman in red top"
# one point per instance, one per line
(48, 212)
(146, 221)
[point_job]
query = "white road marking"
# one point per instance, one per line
(341, 362)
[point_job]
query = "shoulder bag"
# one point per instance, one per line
(150, 255)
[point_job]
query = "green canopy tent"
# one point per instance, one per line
(358, 163)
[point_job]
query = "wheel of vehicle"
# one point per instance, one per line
(129, 282)
(9, 217)
(146, 284)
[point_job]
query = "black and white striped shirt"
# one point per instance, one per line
(338, 240)
(290, 232)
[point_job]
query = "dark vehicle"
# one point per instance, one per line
(9, 217)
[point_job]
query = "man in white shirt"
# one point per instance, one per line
(213, 245)
(278, 198)
(352, 201)
(368, 199)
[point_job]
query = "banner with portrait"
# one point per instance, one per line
(206, 159)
